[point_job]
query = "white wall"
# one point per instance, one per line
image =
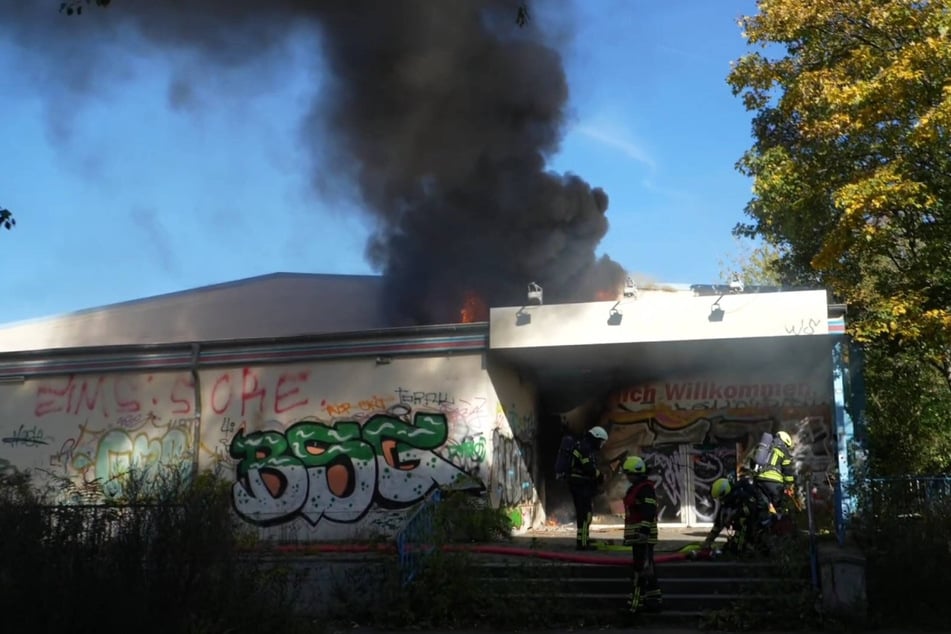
(325, 450)
(661, 316)
(89, 428)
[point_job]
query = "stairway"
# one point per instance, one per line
(596, 594)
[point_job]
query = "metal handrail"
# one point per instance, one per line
(414, 542)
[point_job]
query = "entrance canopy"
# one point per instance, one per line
(575, 351)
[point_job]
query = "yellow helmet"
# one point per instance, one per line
(786, 438)
(634, 465)
(720, 488)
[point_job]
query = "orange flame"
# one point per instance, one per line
(473, 308)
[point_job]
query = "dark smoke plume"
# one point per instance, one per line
(443, 114)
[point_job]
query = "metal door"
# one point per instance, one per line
(706, 464)
(667, 465)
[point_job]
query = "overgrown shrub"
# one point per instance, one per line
(454, 587)
(162, 556)
(786, 600)
(462, 516)
(907, 544)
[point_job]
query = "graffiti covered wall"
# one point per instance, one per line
(326, 450)
(694, 431)
(89, 430)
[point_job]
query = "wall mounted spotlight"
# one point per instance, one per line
(522, 318)
(534, 293)
(381, 360)
(736, 284)
(615, 316)
(630, 288)
(716, 312)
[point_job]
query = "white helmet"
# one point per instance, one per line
(599, 433)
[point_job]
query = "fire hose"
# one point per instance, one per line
(692, 552)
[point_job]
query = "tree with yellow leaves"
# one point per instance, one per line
(852, 157)
(851, 165)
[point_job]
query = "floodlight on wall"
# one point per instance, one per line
(382, 360)
(522, 318)
(736, 284)
(615, 316)
(716, 312)
(630, 288)
(534, 294)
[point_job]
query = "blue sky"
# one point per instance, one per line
(119, 196)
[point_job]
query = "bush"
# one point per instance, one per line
(462, 516)
(907, 545)
(787, 601)
(452, 587)
(163, 558)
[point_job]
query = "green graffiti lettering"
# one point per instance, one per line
(319, 445)
(391, 437)
(260, 449)
(468, 449)
(114, 458)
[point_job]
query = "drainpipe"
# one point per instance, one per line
(813, 547)
(845, 436)
(196, 381)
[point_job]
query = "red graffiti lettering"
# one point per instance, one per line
(125, 404)
(252, 391)
(224, 379)
(49, 399)
(279, 396)
(90, 400)
(183, 400)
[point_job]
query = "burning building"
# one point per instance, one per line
(311, 391)
(218, 377)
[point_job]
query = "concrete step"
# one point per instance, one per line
(619, 568)
(569, 590)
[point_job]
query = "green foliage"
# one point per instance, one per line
(850, 162)
(457, 588)
(755, 266)
(787, 602)
(75, 7)
(7, 221)
(464, 517)
(905, 538)
(908, 409)
(166, 560)
(522, 15)
(851, 182)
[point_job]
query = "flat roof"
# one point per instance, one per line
(277, 305)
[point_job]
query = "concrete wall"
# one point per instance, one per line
(327, 450)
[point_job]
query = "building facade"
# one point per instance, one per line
(333, 425)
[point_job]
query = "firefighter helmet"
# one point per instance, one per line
(786, 438)
(598, 433)
(634, 465)
(720, 488)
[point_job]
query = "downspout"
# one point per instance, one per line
(845, 434)
(196, 382)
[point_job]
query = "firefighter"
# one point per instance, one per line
(640, 533)
(741, 510)
(777, 478)
(583, 482)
